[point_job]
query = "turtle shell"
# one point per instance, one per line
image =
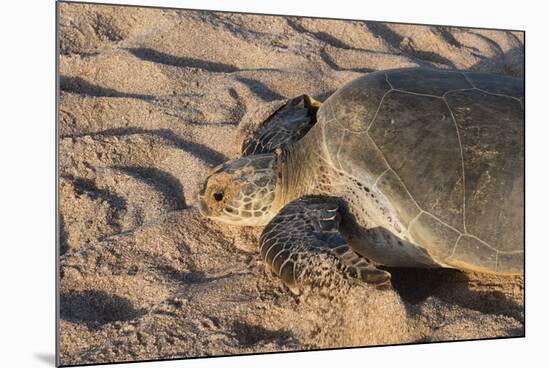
(446, 150)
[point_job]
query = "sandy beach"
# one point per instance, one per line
(149, 101)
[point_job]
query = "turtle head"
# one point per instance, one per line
(241, 191)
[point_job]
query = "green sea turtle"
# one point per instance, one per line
(403, 168)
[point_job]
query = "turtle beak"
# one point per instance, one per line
(203, 208)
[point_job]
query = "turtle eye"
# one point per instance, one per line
(218, 196)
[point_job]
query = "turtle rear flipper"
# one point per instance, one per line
(303, 246)
(287, 124)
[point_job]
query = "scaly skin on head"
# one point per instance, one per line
(241, 191)
(251, 190)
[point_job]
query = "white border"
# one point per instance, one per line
(27, 181)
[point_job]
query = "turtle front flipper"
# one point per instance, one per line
(287, 124)
(303, 246)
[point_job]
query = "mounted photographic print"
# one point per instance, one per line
(235, 183)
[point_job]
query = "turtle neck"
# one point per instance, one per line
(297, 168)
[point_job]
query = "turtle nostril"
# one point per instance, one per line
(218, 196)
